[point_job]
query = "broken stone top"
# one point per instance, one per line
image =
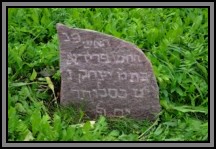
(107, 75)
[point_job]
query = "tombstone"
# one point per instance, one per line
(106, 75)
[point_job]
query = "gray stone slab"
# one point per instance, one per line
(106, 75)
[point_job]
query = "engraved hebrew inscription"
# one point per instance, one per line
(113, 77)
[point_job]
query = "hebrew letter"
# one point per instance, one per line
(118, 112)
(102, 75)
(92, 72)
(98, 84)
(67, 37)
(137, 58)
(77, 93)
(129, 58)
(138, 93)
(104, 94)
(101, 43)
(82, 77)
(112, 93)
(122, 75)
(109, 73)
(87, 43)
(104, 58)
(98, 44)
(87, 57)
(127, 111)
(134, 77)
(72, 58)
(122, 93)
(95, 93)
(100, 110)
(106, 42)
(120, 59)
(143, 76)
(95, 55)
(86, 94)
(75, 38)
(70, 74)
(147, 88)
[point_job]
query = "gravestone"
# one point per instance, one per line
(109, 76)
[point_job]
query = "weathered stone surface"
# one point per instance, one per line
(106, 75)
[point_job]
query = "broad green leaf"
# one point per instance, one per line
(50, 84)
(57, 123)
(34, 75)
(114, 133)
(20, 84)
(20, 108)
(159, 130)
(22, 49)
(35, 121)
(29, 137)
(44, 20)
(12, 119)
(45, 126)
(86, 127)
(203, 69)
(179, 91)
(165, 104)
(191, 109)
(9, 70)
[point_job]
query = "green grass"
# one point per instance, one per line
(175, 41)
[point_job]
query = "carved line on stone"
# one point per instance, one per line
(122, 93)
(73, 37)
(82, 77)
(112, 93)
(122, 112)
(89, 74)
(117, 111)
(97, 43)
(102, 58)
(88, 93)
(100, 110)
(134, 77)
(102, 75)
(67, 37)
(139, 93)
(92, 72)
(71, 59)
(70, 74)
(102, 93)
(96, 92)
(78, 93)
